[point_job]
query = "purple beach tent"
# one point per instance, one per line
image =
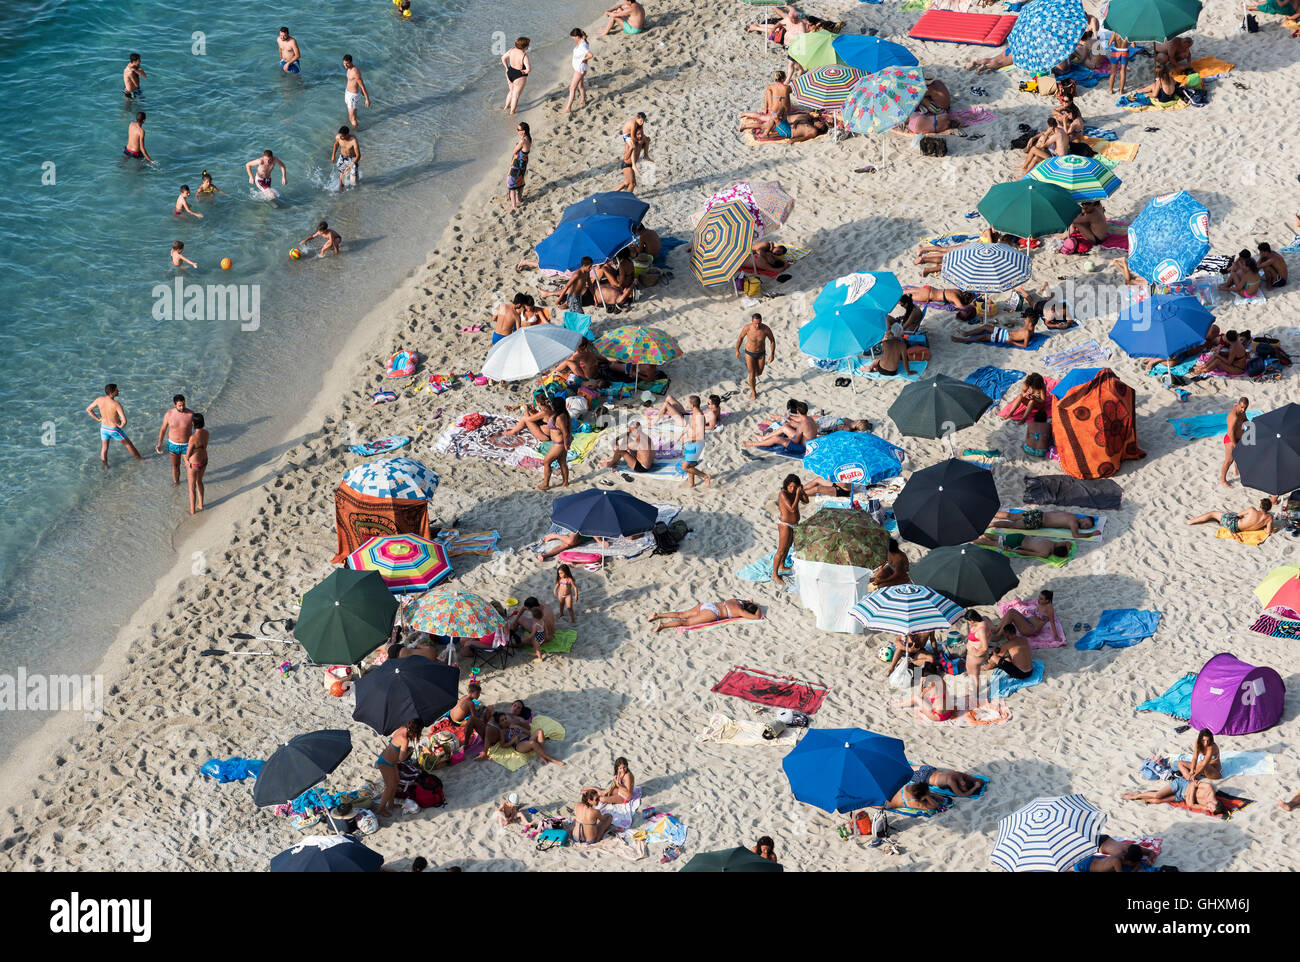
(1231, 697)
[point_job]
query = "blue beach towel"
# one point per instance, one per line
(232, 769)
(1206, 425)
(1120, 628)
(1182, 368)
(1001, 684)
(859, 366)
(1236, 763)
(1293, 247)
(666, 244)
(1100, 133)
(578, 322)
(1083, 76)
(1176, 702)
(994, 381)
(1034, 344)
(761, 570)
(980, 794)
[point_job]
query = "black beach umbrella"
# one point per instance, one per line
(966, 573)
(328, 853)
(951, 502)
(404, 688)
(300, 763)
(603, 514)
(937, 406)
(731, 860)
(1268, 456)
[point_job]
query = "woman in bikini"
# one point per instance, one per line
(519, 165)
(622, 789)
(1244, 279)
(706, 613)
(978, 636)
(400, 745)
(493, 733)
(964, 301)
(1033, 398)
(558, 429)
(517, 67)
(771, 120)
(1029, 625)
(895, 570)
(196, 462)
(792, 495)
(589, 825)
(520, 736)
(1205, 761)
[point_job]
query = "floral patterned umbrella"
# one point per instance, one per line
(842, 537)
(1045, 34)
(825, 88)
(456, 614)
(884, 99)
(767, 201)
(643, 345)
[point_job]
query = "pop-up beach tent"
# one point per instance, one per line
(1231, 697)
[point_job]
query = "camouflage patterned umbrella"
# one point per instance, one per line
(842, 537)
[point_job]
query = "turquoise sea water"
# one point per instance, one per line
(85, 235)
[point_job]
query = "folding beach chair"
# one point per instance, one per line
(495, 655)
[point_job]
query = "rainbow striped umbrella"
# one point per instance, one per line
(811, 50)
(408, 563)
(642, 345)
(455, 614)
(883, 99)
(1086, 178)
(722, 240)
(825, 88)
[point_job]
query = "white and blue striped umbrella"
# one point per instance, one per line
(904, 609)
(1170, 238)
(392, 478)
(985, 268)
(1050, 834)
(1045, 34)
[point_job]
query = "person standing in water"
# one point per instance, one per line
(517, 67)
(289, 52)
(131, 78)
(265, 168)
(356, 89)
(177, 426)
(345, 155)
(135, 139)
(110, 414)
(196, 462)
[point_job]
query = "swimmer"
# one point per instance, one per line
(356, 89)
(289, 52)
(131, 78)
(183, 204)
(178, 258)
(110, 414)
(265, 167)
(345, 155)
(333, 242)
(207, 187)
(135, 140)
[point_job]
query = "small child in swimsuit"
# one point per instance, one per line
(566, 592)
(207, 187)
(178, 259)
(183, 205)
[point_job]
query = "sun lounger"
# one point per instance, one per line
(947, 26)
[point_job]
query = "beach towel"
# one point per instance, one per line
(1232, 804)
(561, 642)
(1001, 684)
(1176, 702)
(985, 459)
(666, 828)
(1114, 242)
(1057, 489)
(907, 811)
(1139, 103)
(359, 517)
(775, 691)
(715, 624)
(231, 769)
(622, 390)
(979, 29)
(1275, 627)
(950, 240)
(1181, 369)
(1100, 133)
(382, 446)
(1059, 534)
(1293, 246)
(1117, 151)
(663, 470)
(1253, 538)
(859, 366)
(580, 447)
(622, 814)
(1234, 763)
(745, 733)
(1120, 628)
(753, 139)
(969, 116)
(1083, 76)
(581, 323)
(1034, 344)
(761, 570)
(948, 792)
(511, 760)
(488, 441)
(986, 713)
(624, 548)
(1086, 353)
(666, 245)
(1206, 67)
(1054, 561)
(1095, 429)
(460, 543)
(1046, 636)
(1014, 410)
(994, 381)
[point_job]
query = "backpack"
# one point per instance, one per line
(1076, 243)
(665, 542)
(552, 838)
(752, 286)
(428, 792)
(1256, 366)
(934, 147)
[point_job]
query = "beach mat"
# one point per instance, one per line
(1034, 344)
(1046, 636)
(994, 381)
(1176, 702)
(382, 446)
(1116, 151)
(1253, 538)
(1205, 66)
(761, 570)
(1064, 491)
(1234, 763)
(511, 760)
(775, 691)
(1274, 627)
(1232, 804)
(1055, 562)
(1204, 425)
(948, 26)
(1001, 684)
(1085, 353)
(488, 441)
(1120, 628)
(562, 641)
(746, 733)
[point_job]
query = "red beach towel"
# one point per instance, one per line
(775, 691)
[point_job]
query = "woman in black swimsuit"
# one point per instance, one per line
(517, 68)
(519, 165)
(1164, 89)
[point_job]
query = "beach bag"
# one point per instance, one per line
(901, 676)
(752, 286)
(918, 353)
(1076, 243)
(1082, 149)
(934, 147)
(791, 718)
(649, 277)
(552, 838)
(665, 543)
(1256, 366)
(428, 792)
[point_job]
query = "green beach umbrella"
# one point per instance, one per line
(731, 860)
(1028, 208)
(842, 537)
(345, 617)
(1152, 20)
(812, 50)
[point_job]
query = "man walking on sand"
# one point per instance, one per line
(177, 426)
(1236, 426)
(356, 90)
(108, 411)
(754, 336)
(693, 447)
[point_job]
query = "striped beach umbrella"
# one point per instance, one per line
(825, 88)
(403, 478)
(810, 50)
(869, 54)
(453, 613)
(1086, 178)
(1050, 834)
(1152, 20)
(1170, 238)
(883, 99)
(722, 240)
(985, 268)
(642, 345)
(1045, 34)
(408, 563)
(904, 609)
(853, 457)
(1028, 208)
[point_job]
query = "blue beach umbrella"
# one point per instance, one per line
(861, 291)
(603, 514)
(1170, 238)
(840, 769)
(1080, 375)
(1162, 326)
(869, 54)
(599, 237)
(853, 457)
(1045, 34)
(615, 203)
(833, 336)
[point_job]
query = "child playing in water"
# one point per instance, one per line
(207, 187)
(566, 592)
(183, 205)
(333, 242)
(178, 258)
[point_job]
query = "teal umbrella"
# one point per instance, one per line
(345, 617)
(1152, 20)
(1028, 208)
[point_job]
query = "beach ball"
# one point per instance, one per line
(226, 264)
(1089, 266)
(885, 652)
(295, 253)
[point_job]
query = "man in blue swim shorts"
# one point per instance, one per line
(629, 15)
(177, 426)
(108, 411)
(693, 447)
(289, 52)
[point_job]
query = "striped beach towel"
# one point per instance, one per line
(1274, 627)
(1085, 353)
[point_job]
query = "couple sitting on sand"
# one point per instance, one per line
(590, 824)
(916, 794)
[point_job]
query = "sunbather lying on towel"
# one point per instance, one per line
(1129, 858)
(767, 256)
(1252, 519)
(1026, 546)
(1035, 518)
(706, 613)
(1030, 625)
(930, 255)
(916, 796)
(1013, 656)
(564, 542)
(959, 783)
(794, 433)
(964, 301)
(994, 334)
(1195, 794)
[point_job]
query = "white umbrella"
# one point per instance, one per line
(1050, 834)
(529, 351)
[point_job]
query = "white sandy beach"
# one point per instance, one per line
(125, 793)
